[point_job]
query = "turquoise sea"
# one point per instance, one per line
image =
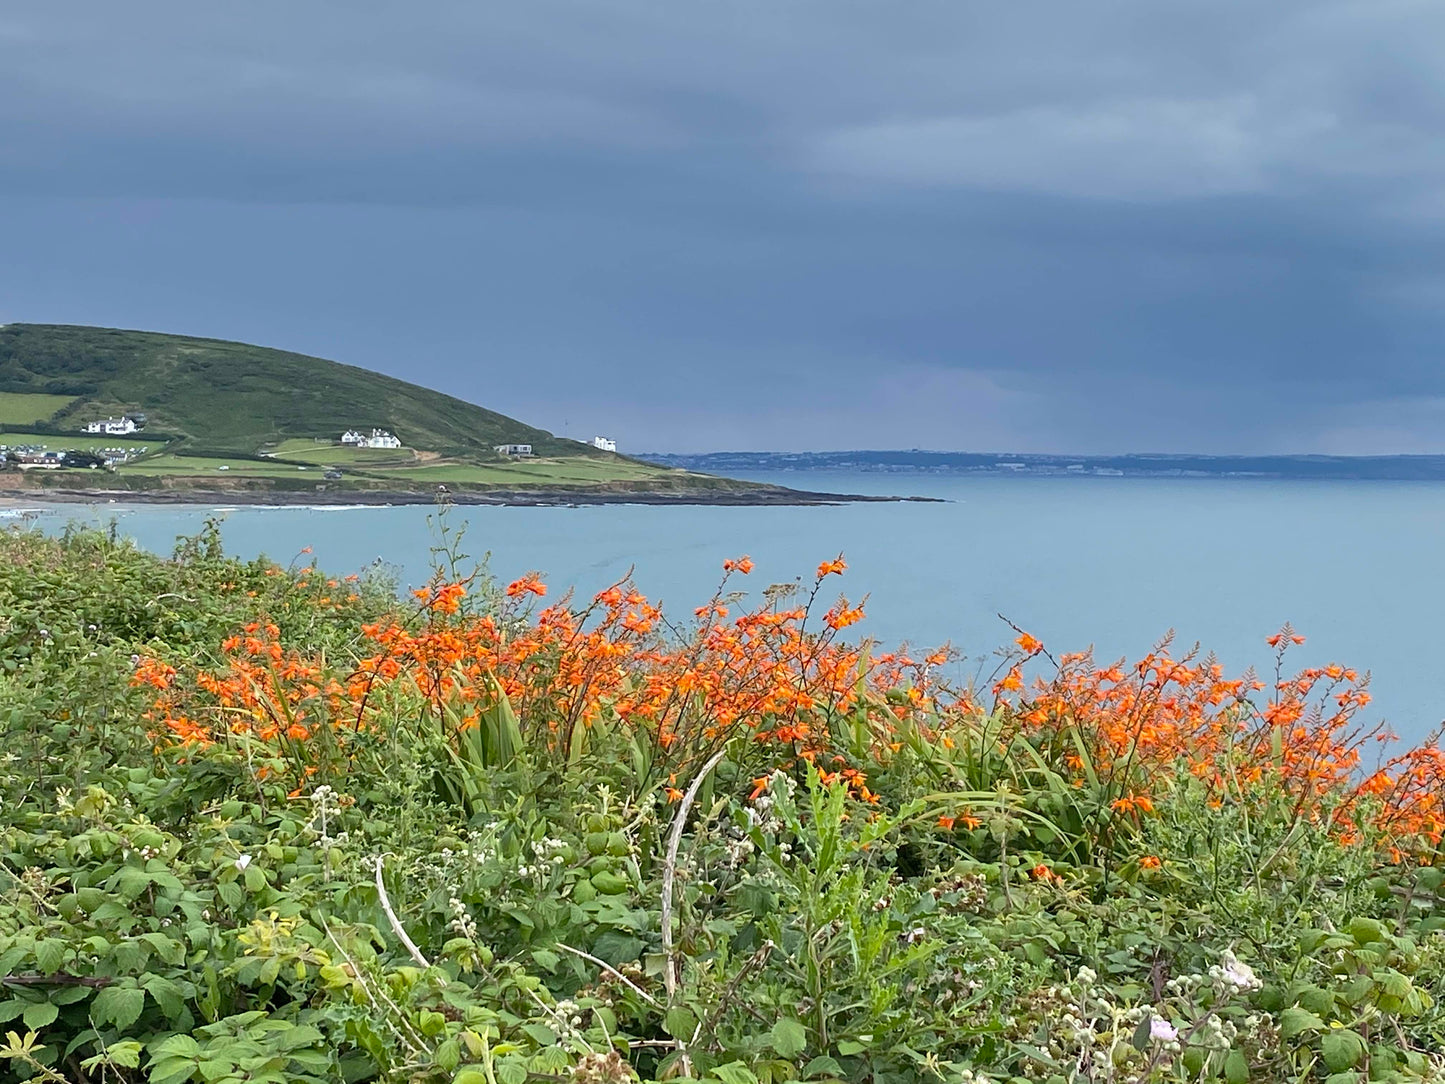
(1112, 562)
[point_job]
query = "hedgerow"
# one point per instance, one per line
(260, 824)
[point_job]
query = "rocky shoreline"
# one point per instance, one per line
(524, 498)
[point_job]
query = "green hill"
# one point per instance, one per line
(231, 398)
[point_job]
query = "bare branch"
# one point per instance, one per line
(391, 916)
(638, 990)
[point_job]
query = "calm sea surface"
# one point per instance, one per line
(1111, 562)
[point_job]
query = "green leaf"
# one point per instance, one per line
(125, 1053)
(38, 1015)
(175, 1046)
(1342, 1049)
(735, 1072)
(540, 1034)
(1143, 1033)
(616, 948)
(788, 1037)
(171, 1070)
(448, 1054)
(511, 1070)
(1316, 1000)
(850, 1047)
(167, 994)
(119, 1005)
(470, 1075)
(1236, 1068)
(679, 1022)
(822, 1066)
(319, 1061)
(49, 954)
(1366, 930)
(1295, 1020)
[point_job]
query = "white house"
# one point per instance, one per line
(115, 427)
(604, 443)
(379, 438)
(514, 449)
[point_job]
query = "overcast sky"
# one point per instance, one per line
(1123, 225)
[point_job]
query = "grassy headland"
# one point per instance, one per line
(232, 421)
(258, 823)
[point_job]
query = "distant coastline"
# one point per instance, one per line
(1399, 468)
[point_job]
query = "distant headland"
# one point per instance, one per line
(89, 413)
(1402, 468)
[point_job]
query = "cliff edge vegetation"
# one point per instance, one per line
(259, 822)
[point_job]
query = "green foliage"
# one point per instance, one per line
(172, 915)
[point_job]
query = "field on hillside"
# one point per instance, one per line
(403, 466)
(326, 453)
(262, 823)
(187, 466)
(533, 472)
(23, 408)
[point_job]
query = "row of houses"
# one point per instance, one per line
(380, 438)
(522, 451)
(42, 455)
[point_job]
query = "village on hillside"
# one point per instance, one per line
(32, 455)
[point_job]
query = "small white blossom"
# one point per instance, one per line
(1234, 972)
(242, 862)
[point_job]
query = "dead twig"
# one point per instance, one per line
(391, 916)
(638, 990)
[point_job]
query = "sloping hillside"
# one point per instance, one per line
(227, 397)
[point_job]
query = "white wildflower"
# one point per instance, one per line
(1162, 1029)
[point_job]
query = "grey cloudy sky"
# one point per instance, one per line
(1119, 225)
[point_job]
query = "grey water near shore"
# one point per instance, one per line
(1103, 561)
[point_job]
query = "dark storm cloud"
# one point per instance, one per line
(1211, 226)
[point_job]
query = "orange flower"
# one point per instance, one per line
(740, 564)
(760, 784)
(1029, 645)
(526, 585)
(1150, 861)
(946, 823)
(835, 567)
(840, 617)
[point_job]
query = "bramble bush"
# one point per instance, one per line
(258, 824)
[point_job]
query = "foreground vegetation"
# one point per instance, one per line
(258, 824)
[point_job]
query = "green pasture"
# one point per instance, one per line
(27, 408)
(78, 441)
